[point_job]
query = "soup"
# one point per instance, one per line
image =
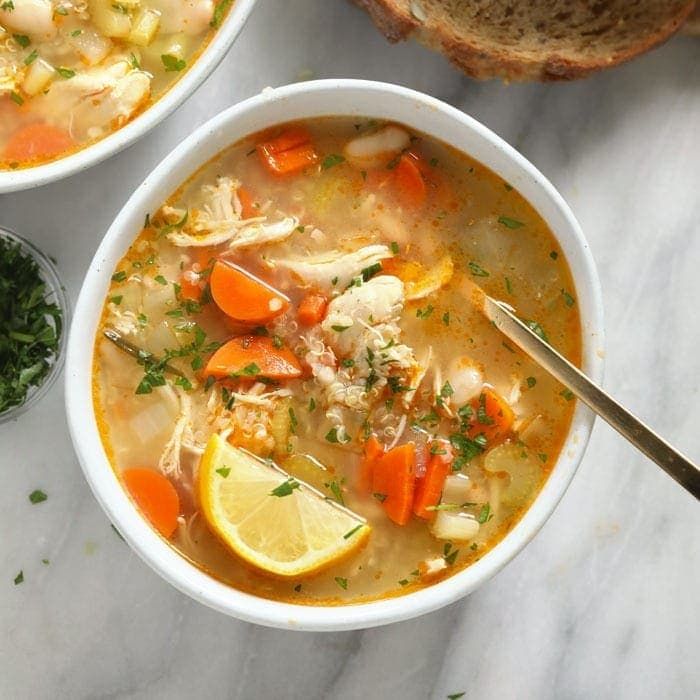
(73, 71)
(293, 384)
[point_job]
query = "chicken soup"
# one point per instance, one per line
(73, 71)
(293, 384)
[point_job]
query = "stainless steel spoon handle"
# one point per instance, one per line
(676, 465)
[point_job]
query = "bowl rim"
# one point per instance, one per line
(320, 98)
(80, 160)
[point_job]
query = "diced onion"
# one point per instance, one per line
(456, 489)
(37, 77)
(521, 467)
(109, 21)
(455, 526)
(90, 46)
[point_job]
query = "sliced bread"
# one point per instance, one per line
(692, 26)
(532, 39)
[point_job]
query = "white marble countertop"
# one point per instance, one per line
(603, 604)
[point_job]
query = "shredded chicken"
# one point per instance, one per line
(182, 436)
(335, 270)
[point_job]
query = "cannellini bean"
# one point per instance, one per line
(33, 17)
(466, 379)
(455, 526)
(374, 150)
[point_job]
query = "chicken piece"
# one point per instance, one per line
(376, 149)
(261, 233)
(335, 270)
(189, 16)
(95, 100)
(465, 378)
(33, 17)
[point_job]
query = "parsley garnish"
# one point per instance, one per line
(485, 514)
(339, 328)
(334, 488)
(568, 395)
(224, 471)
(510, 223)
(446, 318)
(424, 313)
(330, 160)
(531, 381)
(286, 488)
(568, 299)
(16, 98)
(371, 271)
(19, 578)
(537, 329)
(65, 73)
(342, 582)
(31, 58)
(37, 496)
(332, 436)
(219, 12)
(477, 270)
(173, 63)
(350, 533)
(22, 40)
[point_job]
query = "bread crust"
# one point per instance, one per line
(481, 60)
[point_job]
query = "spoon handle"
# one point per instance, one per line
(629, 426)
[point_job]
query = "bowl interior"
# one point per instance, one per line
(315, 99)
(25, 178)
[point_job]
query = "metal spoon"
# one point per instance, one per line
(629, 426)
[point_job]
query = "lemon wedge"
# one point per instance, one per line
(271, 520)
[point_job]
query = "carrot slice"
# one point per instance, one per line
(251, 356)
(243, 296)
(491, 415)
(248, 210)
(429, 488)
(373, 450)
(409, 182)
(312, 309)
(155, 497)
(289, 152)
(37, 142)
(394, 481)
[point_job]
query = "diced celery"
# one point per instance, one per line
(38, 76)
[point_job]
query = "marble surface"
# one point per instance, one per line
(603, 604)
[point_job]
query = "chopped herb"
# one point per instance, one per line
(7, 5)
(160, 279)
(477, 270)
(568, 395)
(334, 281)
(332, 436)
(509, 286)
(485, 514)
(348, 363)
(334, 488)
(451, 557)
(184, 382)
(301, 229)
(330, 160)
(350, 533)
(446, 318)
(312, 405)
(142, 319)
(339, 329)
(507, 347)
(510, 223)
(19, 578)
(224, 471)
(371, 271)
(219, 12)
(507, 186)
(277, 341)
(554, 255)
(456, 696)
(172, 63)
(531, 381)
(76, 32)
(31, 58)
(37, 496)
(250, 370)
(393, 162)
(116, 299)
(481, 415)
(396, 386)
(466, 448)
(537, 329)
(286, 488)
(446, 390)
(22, 40)
(135, 63)
(394, 247)
(381, 497)
(424, 313)
(30, 325)
(403, 582)
(568, 299)
(542, 457)
(342, 582)
(443, 506)
(474, 546)
(65, 73)
(297, 588)
(433, 162)
(431, 418)
(16, 98)
(45, 562)
(119, 276)
(197, 362)
(293, 422)
(465, 412)
(435, 449)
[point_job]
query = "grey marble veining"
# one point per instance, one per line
(603, 603)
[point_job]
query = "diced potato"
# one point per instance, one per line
(38, 76)
(109, 21)
(90, 46)
(455, 526)
(145, 27)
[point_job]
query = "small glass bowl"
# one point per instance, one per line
(56, 294)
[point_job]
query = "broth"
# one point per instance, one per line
(437, 376)
(73, 71)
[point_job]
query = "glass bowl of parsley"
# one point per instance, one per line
(34, 314)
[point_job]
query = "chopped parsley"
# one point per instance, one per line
(446, 318)
(509, 286)
(37, 496)
(537, 329)
(394, 247)
(293, 422)
(219, 11)
(116, 299)
(312, 405)
(568, 299)
(485, 514)
(8, 5)
(339, 328)
(30, 326)
(31, 58)
(554, 255)
(16, 98)
(65, 73)
(531, 381)
(19, 578)
(567, 394)
(350, 533)
(425, 313)
(224, 471)
(119, 276)
(510, 223)
(172, 63)
(286, 488)
(22, 39)
(477, 270)
(371, 271)
(332, 436)
(160, 279)
(342, 582)
(332, 159)
(334, 488)
(381, 497)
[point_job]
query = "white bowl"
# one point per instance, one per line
(314, 99)
(25, 178)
